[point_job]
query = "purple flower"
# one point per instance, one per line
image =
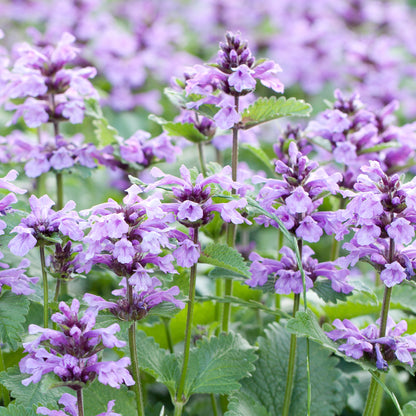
(368, 343)
(44, 222)
(227, 117)
(70, 408)
(17, 280)
(194, 205)
(296, 198)
(50, 91)
(393, 274)
(71, 352)
(287, 277)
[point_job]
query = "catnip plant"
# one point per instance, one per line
(223, 260)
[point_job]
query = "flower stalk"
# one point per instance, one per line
(80, 402)
(292, 351)
(180, 399)
(231, 228)
(45, 286)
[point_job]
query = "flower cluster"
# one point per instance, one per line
(194, 206)
(287, 277)
(296, 197)
(51, 91)
(127, 237)
(234, 75)
(356, 135)
(51, 153)
(382, 213)
(15, 277)
(367, 342)
(143, 299)
(42, 223)
(71, 409)
(72, 352)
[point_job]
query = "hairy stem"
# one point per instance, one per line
(188, 332)
(45, 286)
(80, 402)
(292, 361)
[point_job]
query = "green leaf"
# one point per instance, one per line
(97, 395)
(409, 409)
(17, 410)
(220, 273)
(13, 309)
(267, 109)
(34, 394)
(104, 133)
(244, 405)
(186, 130)
(324, 290)
(221, 255)
(264, 391)
(217, 365)
(261, 160)
(180, 99)
(158, 362)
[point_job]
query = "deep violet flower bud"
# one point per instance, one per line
(367, 342)
(71, 352)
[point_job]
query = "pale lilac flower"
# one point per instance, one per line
(286, 276)
(39, 74)
(367, 342)
(296, 197)
(70, 408)
(42, 222)
(16, 278)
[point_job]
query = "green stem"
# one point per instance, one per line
(374, 397)
(214, 405)
(231, 228)
(3, 391)
(80, 403)
(188, 332)
(218, 306)
(375, 392)
(168, 334)
(202, 159)
(45, 286)
(292, 361)
(178, 408)
(59, 191)
(135, 369)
